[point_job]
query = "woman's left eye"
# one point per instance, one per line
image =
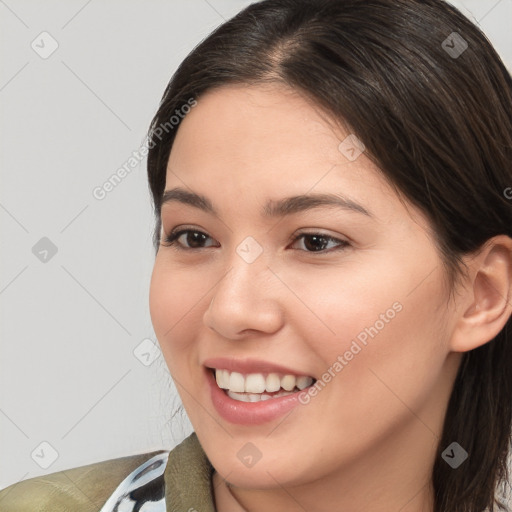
(317, 242)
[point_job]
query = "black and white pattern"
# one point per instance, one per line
(143, 490)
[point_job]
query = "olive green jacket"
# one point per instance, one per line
(187, 476)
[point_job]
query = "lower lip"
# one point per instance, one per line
(249, 413)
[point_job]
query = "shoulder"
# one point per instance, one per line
(85, 488)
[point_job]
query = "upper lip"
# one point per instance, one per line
(246, 366)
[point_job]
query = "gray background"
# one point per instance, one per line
(79, 371)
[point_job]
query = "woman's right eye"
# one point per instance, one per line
(193, 237)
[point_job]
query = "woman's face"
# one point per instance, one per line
(357, 304)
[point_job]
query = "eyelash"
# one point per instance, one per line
(172, 238)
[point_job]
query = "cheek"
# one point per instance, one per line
(388, 352)
(174, 308)
(383, 322)
(337, 304)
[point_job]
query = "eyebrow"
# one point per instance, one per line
(273, 208)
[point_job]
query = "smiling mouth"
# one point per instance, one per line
(257, 387)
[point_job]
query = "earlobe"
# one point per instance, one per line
(486, 304)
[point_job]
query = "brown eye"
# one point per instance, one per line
(192, 239)
(317, 242)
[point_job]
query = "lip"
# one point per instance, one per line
(246, 366)
(249, 413)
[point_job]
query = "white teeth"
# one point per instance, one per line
(288, 382)
(237, 382)
(222, 377)
(254, 385)
(273, 382)
(304, 382)
(250, 397)
(219, 377)
(238, 396)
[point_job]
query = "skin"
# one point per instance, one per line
(367, 441)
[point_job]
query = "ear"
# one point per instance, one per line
(486, 303)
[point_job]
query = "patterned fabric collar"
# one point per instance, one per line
(143, 490)
(179, 480)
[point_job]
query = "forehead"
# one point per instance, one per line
(261, 130)
(247, 118)
(270, 142)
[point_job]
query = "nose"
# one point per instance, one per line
(246, 301)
